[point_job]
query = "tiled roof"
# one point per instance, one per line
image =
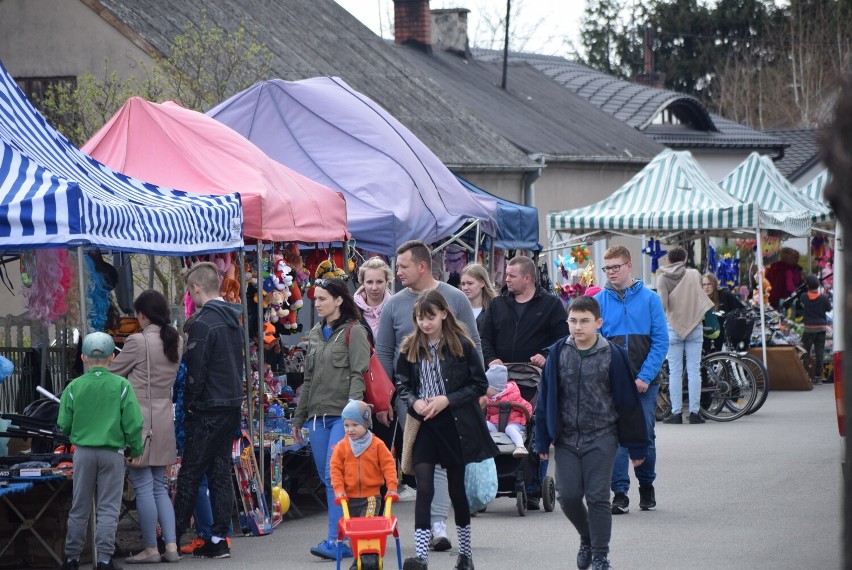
(639, 105)
(801, 154)
(535, 113)
(317, 38)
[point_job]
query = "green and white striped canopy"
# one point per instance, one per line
(814, 191)
(672, 193)
(757, 179)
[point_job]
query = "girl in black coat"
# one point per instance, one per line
(440, 378)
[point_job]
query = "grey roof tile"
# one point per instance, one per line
(802, 152)
(639, 105)
(310, 38)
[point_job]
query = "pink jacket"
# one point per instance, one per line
(510, 394)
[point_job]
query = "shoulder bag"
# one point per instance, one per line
(380, 389)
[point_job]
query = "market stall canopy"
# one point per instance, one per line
(757, 180)
(396, 189)
(517, 225)
(169, 145)
(53, 194)
(671, 194)
(814, 191)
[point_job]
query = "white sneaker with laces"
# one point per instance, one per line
(440, 542)
(406, 493)
(520, 452)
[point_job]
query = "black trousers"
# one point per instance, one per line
(207, 450)
(815, 340)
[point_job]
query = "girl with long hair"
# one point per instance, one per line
(477, 287)
(440, 379)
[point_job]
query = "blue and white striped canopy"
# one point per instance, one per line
(52, 194)
(672, 193)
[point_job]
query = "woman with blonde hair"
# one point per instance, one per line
(375, 276)
(477, 287)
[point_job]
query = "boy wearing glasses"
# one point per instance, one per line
(588, 406)
(633, 318)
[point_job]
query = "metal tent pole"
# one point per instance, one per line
(241, 256)
(260, 363)
(760, 296)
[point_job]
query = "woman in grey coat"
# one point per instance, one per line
(150, 360)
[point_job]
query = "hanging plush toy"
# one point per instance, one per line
(282, 277)
(296, 303)
(230, 283)
(655, 252)
(276, 311)
(728, 271)
(294, 259)
(580, 254)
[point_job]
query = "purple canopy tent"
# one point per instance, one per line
(396, 189)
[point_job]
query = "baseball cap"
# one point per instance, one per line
(98, 345)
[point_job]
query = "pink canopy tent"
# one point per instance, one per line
(169, 145)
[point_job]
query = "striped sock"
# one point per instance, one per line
(421, 542)
(463, 533)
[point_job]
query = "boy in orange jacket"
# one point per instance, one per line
(361, 463)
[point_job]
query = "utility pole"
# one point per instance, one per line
(506, 45)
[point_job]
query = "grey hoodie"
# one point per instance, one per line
(214, 359)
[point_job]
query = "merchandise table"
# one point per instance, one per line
(20, 487)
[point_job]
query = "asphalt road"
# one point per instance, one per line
(760, 492)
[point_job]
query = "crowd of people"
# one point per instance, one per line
(446, 351)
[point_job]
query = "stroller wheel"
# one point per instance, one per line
(548, 493)
(522, 503)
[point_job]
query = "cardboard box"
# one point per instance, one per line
(785, 368)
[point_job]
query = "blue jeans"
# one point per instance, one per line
(691, 347)
(153, 503)
(644, 473)
(325, 432)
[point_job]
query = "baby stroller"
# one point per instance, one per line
(514, 474)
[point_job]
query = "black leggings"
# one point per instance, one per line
(425, 474)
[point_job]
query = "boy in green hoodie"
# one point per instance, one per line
(101, 416)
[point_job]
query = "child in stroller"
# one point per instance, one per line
(518, 472)
(500, 390)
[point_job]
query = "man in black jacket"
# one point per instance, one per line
(519, 326)
(212, 400)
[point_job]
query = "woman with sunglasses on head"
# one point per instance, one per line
(338, 355)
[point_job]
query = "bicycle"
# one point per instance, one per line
(739, 328)
(728, 388)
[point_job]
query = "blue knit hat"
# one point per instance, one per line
(358, 411)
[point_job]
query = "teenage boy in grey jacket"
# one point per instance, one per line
(588, 405)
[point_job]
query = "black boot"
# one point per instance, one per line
(463, 563)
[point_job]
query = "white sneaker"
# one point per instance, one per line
(440, 542)
(406, 493)
(520, 452)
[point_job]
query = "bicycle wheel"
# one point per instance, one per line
(761, 378)
(664, 400)
(728, 387)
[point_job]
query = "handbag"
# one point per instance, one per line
(409, 434)
(379, 389)
(480, 483)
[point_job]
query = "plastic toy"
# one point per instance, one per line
(368, 536)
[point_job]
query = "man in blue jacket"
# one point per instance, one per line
(588, 406)
(633, 318)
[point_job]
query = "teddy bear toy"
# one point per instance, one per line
(276, 310)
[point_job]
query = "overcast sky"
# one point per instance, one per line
(541, 26)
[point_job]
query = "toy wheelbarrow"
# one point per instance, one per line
(368, 536)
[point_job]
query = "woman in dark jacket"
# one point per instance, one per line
(440, 379)
(723, 300)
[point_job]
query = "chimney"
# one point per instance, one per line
(449, 30)
(648, 75)
(412, 23)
